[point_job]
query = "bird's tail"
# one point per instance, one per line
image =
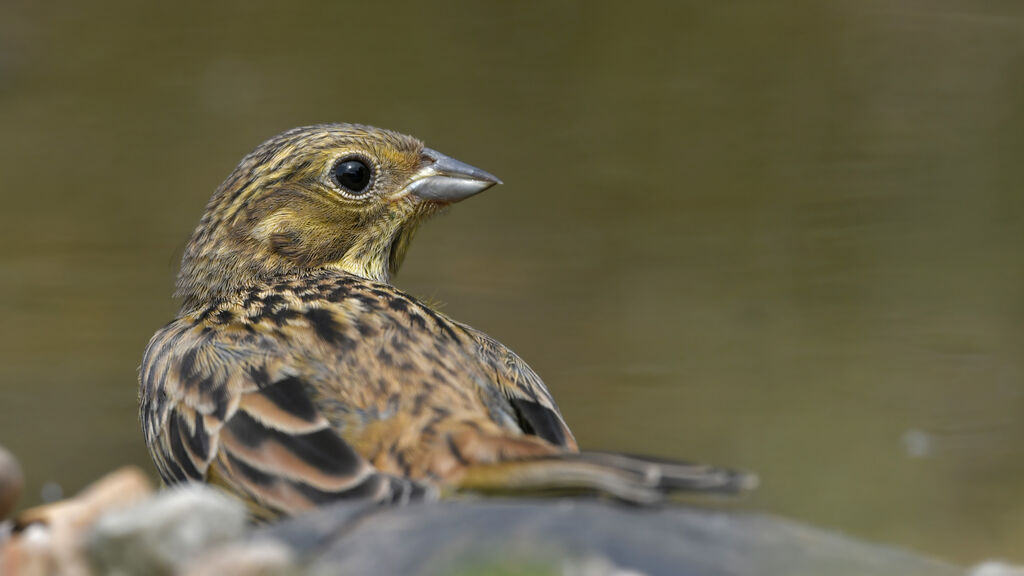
(634, 479)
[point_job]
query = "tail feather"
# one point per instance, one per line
(677, 475)
(634, 479)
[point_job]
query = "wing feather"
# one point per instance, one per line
(528, 397)
(223, 409)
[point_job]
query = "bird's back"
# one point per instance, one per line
(412, 392)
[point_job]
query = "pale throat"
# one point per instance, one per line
(374, 268)
(376, 256)
(368, 258)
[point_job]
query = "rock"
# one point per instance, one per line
(579, 537)
(197, 531)
(163, 534)
(250, 558)
(50, 537)
(11, 482)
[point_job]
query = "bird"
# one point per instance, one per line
(296, 375)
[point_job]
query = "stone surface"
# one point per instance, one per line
(252, 557)
(11, 481)
(197, 531)
(580, 537)
(163, 534)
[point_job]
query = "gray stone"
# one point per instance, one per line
(246, 558)
(579, 537)
(197, 531)
(162, 534)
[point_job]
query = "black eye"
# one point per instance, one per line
(352, 174)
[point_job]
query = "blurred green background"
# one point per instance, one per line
(783, 236)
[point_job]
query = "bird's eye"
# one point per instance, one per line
(353, 175)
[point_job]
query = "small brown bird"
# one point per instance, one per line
(295, 374)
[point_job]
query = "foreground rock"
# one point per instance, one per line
(197, 531)
(580, 537)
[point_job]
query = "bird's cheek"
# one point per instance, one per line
(279, 235)
(273, 225)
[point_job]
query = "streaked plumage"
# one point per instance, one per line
(296, 374)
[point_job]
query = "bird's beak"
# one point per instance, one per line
(446, 180)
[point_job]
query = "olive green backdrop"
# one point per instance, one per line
(781, 235)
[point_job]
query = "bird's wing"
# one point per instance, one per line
(224, 407)
(534, 408)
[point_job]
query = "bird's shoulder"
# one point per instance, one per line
(524, 391)
(334, 336)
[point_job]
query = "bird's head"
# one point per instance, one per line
(340, 196)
